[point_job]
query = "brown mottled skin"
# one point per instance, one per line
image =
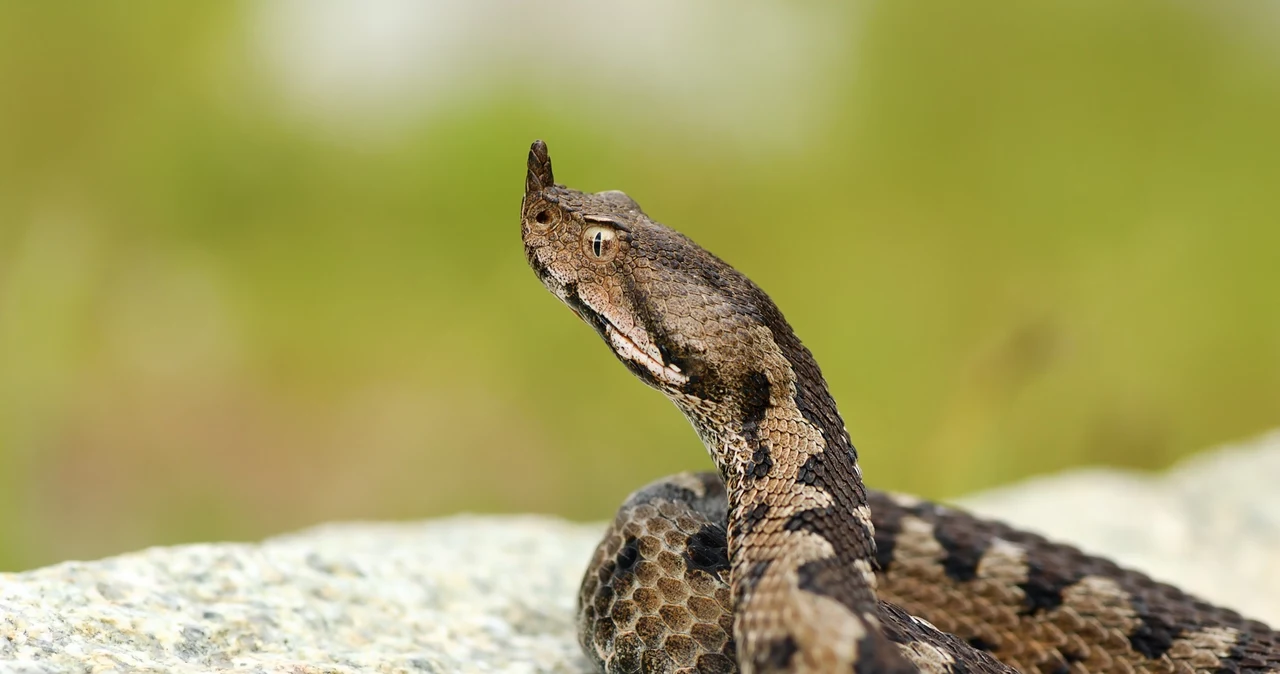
(785, 561)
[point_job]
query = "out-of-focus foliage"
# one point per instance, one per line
(240, 294)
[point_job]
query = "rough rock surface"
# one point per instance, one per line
(480, 594)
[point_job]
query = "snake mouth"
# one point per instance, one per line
(631, 352)
(623, 346)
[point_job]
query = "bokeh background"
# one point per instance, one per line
(260, 265)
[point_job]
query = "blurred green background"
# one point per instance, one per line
(260, 263)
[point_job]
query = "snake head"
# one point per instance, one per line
(581, 247)
(678, 317)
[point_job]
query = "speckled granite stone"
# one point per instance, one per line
(458, 594)
(481, 594)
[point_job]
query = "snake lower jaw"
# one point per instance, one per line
(628, 350)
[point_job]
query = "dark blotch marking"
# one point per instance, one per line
(809, 520)
(964, 547)
(708, 550)
(1044, 585)
(627, 557)
(812, 472)
(1154, 634)
(777, 655)
(755, 404)
(761, 462)
(755, 516)
(826, 577)
(865, 662)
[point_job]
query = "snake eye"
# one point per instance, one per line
(600, 243)
(543, 217)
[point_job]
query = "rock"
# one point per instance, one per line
(459, 594)
(479, 594)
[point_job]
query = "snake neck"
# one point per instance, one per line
(799, 529)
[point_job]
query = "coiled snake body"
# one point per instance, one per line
(785, 561)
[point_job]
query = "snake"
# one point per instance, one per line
(782, 560)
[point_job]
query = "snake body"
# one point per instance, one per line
(785, 561)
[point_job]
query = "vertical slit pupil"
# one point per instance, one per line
(597, 243)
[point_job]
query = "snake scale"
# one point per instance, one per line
(784, 561)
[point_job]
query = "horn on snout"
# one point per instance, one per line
(539, 176)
